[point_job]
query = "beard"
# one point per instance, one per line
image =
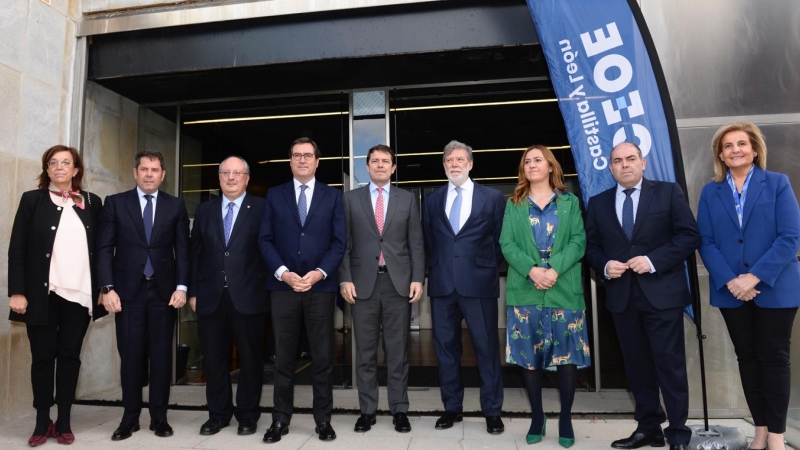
(457, 180)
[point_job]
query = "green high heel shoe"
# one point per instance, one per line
(536, 438)
(566, 442)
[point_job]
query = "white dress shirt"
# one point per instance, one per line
(154, 201)
(467, 189)
(309, 195)
(619, 201)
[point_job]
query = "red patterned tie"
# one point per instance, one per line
(379, 220)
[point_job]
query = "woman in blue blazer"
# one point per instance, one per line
(750, 223)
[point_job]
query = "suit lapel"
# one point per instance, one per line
(216, 219)
(524, 216)
(135, 211)
(561, 234)
(365, 198)
(754, 190)
(391, 207)
(726, 200)
(440, 202)
(162, 205)
(478, 199)
(645, 199)
(288, 193)
(316, 199)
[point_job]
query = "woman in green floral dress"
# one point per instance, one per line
(543, 240)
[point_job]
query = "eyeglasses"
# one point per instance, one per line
(299, 156)
(235, 173)
(54, 163)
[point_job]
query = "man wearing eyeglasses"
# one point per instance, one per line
(227, 293)
(302, 240)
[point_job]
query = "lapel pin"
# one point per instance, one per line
(248, 206)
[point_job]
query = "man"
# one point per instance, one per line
(639, 233)
(462, 222)
(143, 270)
(302, 240)
(227, 292)
(381, 275)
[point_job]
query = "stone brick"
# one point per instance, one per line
(44, 50)
(10, 101)
(13, 25)
(40, 120)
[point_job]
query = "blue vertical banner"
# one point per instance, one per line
(610, 87)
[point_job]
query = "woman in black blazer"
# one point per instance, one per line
(51, 284)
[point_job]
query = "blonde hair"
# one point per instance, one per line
(556, 175)
(756, 141)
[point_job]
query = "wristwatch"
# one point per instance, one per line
(107, 289)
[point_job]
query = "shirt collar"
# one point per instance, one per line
(310, 184)
(637, 187)
(142, 194)
(237, 201)
(467, 186)
(373, 187)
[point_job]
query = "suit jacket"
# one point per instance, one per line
(302, 248)
(766, 245)
(122, 249)
(468, 262)
(665, 231)
(401, 242)
(522, 253)
(239, 262)
(30, 247)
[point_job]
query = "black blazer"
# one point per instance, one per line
(665, 231)
(240, 261)
(122, 249)
(32, 238)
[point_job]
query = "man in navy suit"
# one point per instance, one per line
(302, 240)
(143, 270)
(639, 234)
(227, 292)
(462, 222)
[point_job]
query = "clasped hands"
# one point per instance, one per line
(543, 279)
(638, 264)
(348, 291)
(743, 287)
(111, 301)
(301, 284)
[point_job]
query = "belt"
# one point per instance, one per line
(382, 269)
(149, 278)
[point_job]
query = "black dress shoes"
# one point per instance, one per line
(246, 427)
(161, 428)
(494, 425)
(447, 420)
(677, 447)
(325, 431)
(364, 423)
(401, 423)
(275, 431)
(212, 426)
(640, 439)
(124, 431)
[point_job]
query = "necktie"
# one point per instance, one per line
(627, 213)
(227, 223)
(379, 220)
(147, 217)
(455, 212)
(302, 209)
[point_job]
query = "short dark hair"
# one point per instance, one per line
(149, 154)
(305, 140)
(77, 180)
(381, 148)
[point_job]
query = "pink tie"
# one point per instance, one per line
(379, 220)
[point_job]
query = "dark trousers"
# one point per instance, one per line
(481, 316)
(653, 350)
(289, 310)
(144, 328)
(61, 339)
(762, 338)
(392, 311)
(216, 331)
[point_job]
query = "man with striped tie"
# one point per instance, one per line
(302, 241)
(226, 290)
(381, 275)
(462, 222)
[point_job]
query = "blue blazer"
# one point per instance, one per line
(766, 245)
(319, 243)
(467, 263)
(239, 262)
(122, 249)
(665, 231)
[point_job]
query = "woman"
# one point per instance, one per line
(543, 241)
(51, 282)
(750, 223)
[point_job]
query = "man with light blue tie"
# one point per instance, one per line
(227, 293)
(639, 234)
(462, 222)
